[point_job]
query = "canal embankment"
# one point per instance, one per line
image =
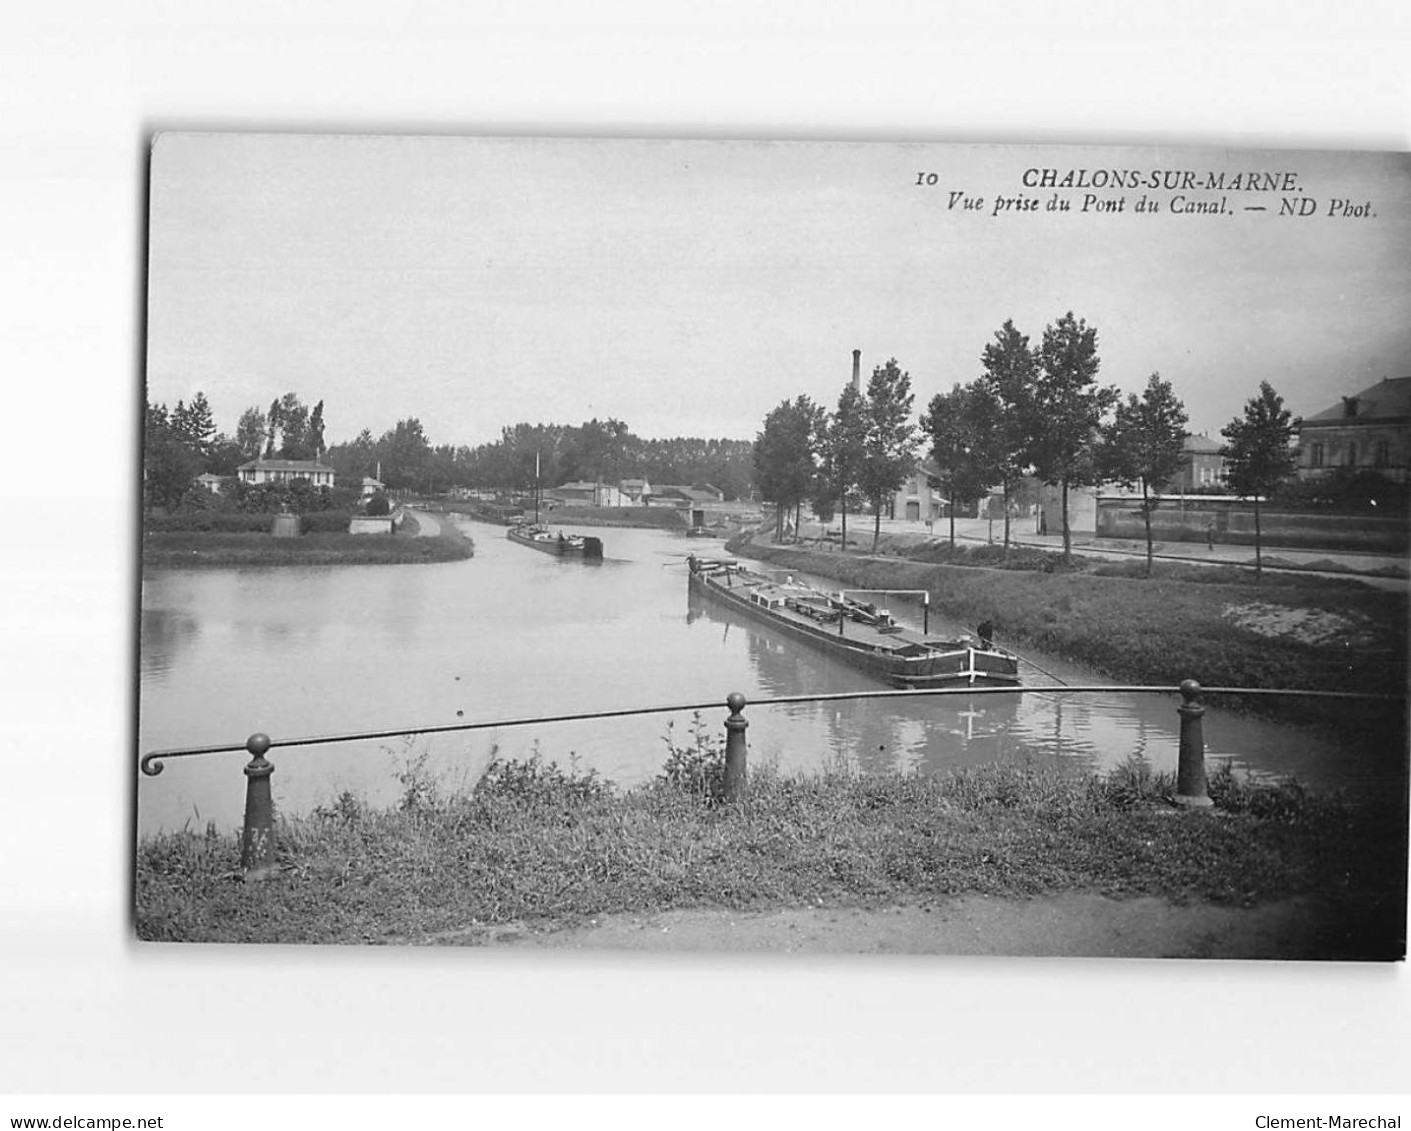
(536, 851)
(1222, 627)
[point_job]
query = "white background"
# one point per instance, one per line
(84, 1009)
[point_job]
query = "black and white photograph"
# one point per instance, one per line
(803, 547)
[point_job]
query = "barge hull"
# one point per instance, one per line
(970, 667)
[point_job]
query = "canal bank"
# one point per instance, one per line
(892, 861)
(1224, 629)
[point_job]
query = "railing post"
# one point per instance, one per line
(1190, 770)
(257, 840)
(735, 746)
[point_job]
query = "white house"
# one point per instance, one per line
(285, 471)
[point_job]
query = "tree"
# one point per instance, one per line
(962, 425)
(294, 428)
(250, 433)
(405, 456)
(169, 465)
(783, 456)
(194, 425)
(1143, 445)
(890, 438)
(315, 433)
(842, 449)
(1068, 406)
(272, 425)
(1260, 453)
(596, 452)
(1008, 380)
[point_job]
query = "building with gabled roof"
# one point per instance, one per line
(1370, 430)
(285, 471)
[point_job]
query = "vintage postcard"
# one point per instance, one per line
(792, 546)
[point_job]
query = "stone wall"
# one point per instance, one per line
(1189, 520)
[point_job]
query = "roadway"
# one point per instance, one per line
(1386, 571)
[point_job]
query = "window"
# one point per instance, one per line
(1383, 456)
(1315, 456)
(1352, 454)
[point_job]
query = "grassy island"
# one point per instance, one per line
(188, 549)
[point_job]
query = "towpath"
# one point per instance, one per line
(1069, 924)
(1386, 571)
(427, 525)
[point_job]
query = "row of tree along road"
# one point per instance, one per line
(1034, 411)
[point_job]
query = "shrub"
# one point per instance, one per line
(536, 782)
(208, 521)
(698, 768)
(378, 505)
(325, 522)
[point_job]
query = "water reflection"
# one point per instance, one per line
(165, 634)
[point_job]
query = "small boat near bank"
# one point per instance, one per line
(556, 542)
(855, 632)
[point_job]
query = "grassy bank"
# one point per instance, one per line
(532, 844)
(194, 549)
(1211, 624)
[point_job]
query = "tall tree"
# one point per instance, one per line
(1008, 379)
(250, 433)
(1068, 406)
(783, 456)
(272, 428)
(844, 449)
(891, 438)
(1143, 445)
(405, 456)
(962, 426)
(194, 425)
(315, 433)
(293, 428)
(1260, 453)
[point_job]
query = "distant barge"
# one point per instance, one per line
(548, 541)
(859, 634)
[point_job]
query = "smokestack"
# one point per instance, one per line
(857, 370)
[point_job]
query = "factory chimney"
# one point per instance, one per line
(857, 370)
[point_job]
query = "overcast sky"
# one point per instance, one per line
(688, 287)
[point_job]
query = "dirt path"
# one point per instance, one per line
(426, 525)
(1066, 925)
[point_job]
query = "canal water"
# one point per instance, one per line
(512, 633)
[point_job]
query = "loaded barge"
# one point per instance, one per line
(557, 542)
(857, 633)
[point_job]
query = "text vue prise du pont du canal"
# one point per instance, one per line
(1291, 202)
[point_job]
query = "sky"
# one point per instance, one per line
(688, 287)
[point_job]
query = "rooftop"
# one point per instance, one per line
(1389, 397)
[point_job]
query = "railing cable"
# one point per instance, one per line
(151, 763)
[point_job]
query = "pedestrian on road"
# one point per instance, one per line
(1210, 535)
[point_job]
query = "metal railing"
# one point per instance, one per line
(257, 856)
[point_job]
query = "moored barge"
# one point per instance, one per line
(857, 633)
(556, 542)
